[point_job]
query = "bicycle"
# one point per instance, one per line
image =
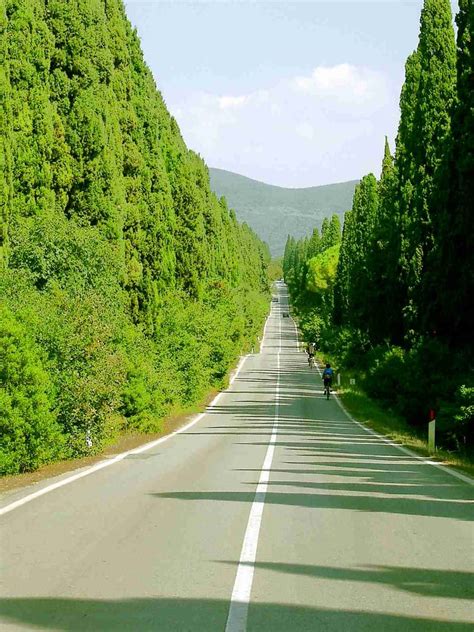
(327, 388)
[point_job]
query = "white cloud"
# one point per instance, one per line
(305, 130)
(302, 131)
(232, 102)
(343, 83)
(229, 102)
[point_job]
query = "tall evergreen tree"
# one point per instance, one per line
(314, 242)
(6, 176)
(450, 276)
(334, 231)
(430, 146)
(364, 211)
(405, 175)
(341, 284)
(136, 284)
(323, 243)
(385, 318)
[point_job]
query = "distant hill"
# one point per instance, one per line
(274, 212)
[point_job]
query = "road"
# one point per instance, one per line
(273, 512)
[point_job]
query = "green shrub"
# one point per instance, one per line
(30, 433)
(311, 324)
(82, 335)
(387, 374)
(455, 420)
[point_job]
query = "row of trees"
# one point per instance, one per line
(402, 298)
(127, 288)
(406, 267)
(309, 268)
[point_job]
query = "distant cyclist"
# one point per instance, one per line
(328, 374)
(311, 350)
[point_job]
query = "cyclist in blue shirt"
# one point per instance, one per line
(328, 374)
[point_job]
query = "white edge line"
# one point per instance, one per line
(439, 466)
(121, 456)
(262, 342)
(385, 439)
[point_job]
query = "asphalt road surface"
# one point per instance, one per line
(273, 512)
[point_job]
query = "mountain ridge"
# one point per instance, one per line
(277, 186)
(274, 212)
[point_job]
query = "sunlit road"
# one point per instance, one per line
(354, 534)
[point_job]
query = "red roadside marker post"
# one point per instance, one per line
(432, 430)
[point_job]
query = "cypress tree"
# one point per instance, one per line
(334, 231)
(450, 278)
(314, 241)
(6, 177)
(341, 284)
(364, 212)
(323, 243)
(405, 174)
(431, 131)
(384, 318)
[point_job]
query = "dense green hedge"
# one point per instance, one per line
(127, 289)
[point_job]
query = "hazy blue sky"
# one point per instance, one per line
(291, 93)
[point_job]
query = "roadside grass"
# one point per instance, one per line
(388, 423)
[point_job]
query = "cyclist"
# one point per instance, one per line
(328, 374)
(311, 350)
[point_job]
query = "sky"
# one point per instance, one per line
(290, 93)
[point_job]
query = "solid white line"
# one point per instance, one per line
(439, 466)
(239, 603)
(262, 342)
(120, 457)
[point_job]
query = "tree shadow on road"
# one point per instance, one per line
(457, 510)
(429, 582)
(201, 615)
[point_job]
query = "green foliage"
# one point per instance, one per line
(450, 266)
(298, 254)
(30, 433)
(353, 278)
(54, 249)
(388, 374)
(402, 314)
(364, 211)
(459, 435)
(465, 397)
(385, 322)
(320, 277)
(405, 378)
(79, 334)
(330, 233)
(322, 270)
(275, 269)
(136, 286)
(311, 324)
(430, 151)
(341, 283)
(349, 347)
